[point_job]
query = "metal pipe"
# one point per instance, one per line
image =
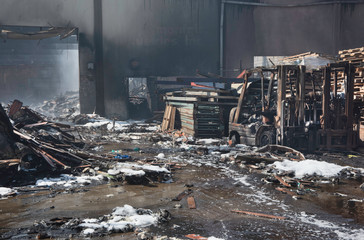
(222, 14)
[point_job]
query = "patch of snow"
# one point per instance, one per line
(68, 180)
(161, 156)
(6, 191)
(121, 219)
(208, 141)
(131, 172)
(88, 231)
(145, 167)
(152, 128)
(243, 180)
(341, 232)
(309, 167)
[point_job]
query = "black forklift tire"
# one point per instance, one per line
(266, 138)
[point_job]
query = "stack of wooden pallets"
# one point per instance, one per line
(200, 111)
(355, 55)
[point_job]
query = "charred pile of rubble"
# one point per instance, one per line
(61, 107)
(32, 148)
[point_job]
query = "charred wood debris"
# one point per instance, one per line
(33, 147)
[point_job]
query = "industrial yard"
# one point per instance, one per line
(202, 119)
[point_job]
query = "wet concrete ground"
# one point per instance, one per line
(217, 189)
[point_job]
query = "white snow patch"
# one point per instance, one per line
(121, 218)
(161, 156)
(88, 231)
(243, 180)
(6, 191)
(68, 180)
(309, 167)
(341, 232)
(146, 167)
(208, 141)
(119, 125)
(152, 128)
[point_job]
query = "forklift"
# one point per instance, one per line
(291, 107)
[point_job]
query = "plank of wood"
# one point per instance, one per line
(172, 118)
(194, 236)
(191, 202)
(259, 214)
(166, 118)
(282, 181)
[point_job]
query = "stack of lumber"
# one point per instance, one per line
(354, 55)
(200, 111)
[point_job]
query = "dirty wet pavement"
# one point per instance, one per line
(331, 211)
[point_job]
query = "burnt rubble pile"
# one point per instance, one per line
(38, 147)
(34, 148)
(62, 107)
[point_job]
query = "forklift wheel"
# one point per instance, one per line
(266, 138)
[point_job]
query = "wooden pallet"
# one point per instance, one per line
(353, 50)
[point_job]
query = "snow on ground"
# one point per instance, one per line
(119, 125)
(208, 141)
(243, 180)
(122, 219)
(310, 167)
(4, 192)
(68, 181)
(343, 232)
(132, 169)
